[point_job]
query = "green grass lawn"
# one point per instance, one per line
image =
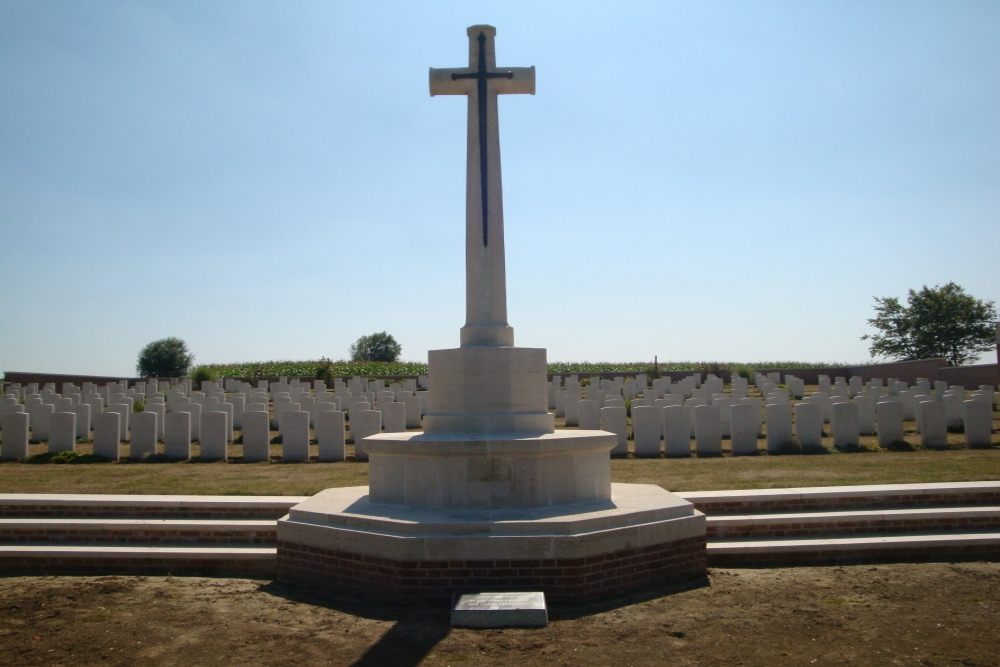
(747, 472)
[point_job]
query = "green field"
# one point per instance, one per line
(694, 474)
(261, 369)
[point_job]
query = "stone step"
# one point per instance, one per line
(15, 505)
(856, 522)
(150, 560)
(246, 532)
(839, 498)
(854, 550)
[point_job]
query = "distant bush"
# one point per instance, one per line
(376, 347)
(203, 374)
(324, 371)
(167, 357)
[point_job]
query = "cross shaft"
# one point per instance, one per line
(486, 290)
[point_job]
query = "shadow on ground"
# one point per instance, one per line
(419, 628)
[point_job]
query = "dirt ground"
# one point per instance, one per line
(906, 614)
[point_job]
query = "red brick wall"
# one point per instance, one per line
(562, 580)
(859, 527)
(139, 536)
(12, 564)
(971, 377)
(900, 500)
(826, 555)
(127, 511)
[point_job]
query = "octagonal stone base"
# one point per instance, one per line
(341, 542)
(438, 471)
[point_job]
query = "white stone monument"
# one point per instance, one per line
(489, 483)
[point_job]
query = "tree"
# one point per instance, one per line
(167, 357)
(376, 347)
(937, 322)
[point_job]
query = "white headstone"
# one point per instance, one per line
(330, 435)
(758, 410)
(14, 436)
(62, 432)
(590, 415)
(889, 418)
(295, 436)
(809, 426)
(393, 417)
(82, 411)
(145, 429)
(934, 428)
(363, 424)
(40, 415)
(779, 427)
(213, 435)
(866, 414)
(707, 430)
(177, 435)
(615, 420)
(647, 422)
(743, 426)
(107, 435)
(978, 419)
(844, 425)
(195, 411)
(676, 431)
(412, 404)
(256, 436)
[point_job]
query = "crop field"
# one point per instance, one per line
(369, 368)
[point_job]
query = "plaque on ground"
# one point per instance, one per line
(499, 610)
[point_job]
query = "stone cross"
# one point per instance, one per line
(485, 277)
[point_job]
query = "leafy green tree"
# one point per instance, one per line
(936, 322)
(376, 347)
(167, 357)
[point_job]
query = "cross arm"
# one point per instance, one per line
(523, 81)
(442, 83)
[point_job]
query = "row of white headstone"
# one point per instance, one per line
(667, 415)
(178, 416)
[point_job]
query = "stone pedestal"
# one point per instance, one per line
(490, 497)
(488, 390)
(423, 470)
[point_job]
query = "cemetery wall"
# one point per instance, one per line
(26, 378)
(907, 371)
(664, 372)
(971, 376)
(58, 378)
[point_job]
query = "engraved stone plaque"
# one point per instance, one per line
(499, 610)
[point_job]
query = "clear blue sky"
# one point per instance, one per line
(694, 180)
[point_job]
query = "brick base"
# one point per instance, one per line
(123, 510)
(59, 565)
(844, 527)
(563, 580)
(859, 556)
(833, 503)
